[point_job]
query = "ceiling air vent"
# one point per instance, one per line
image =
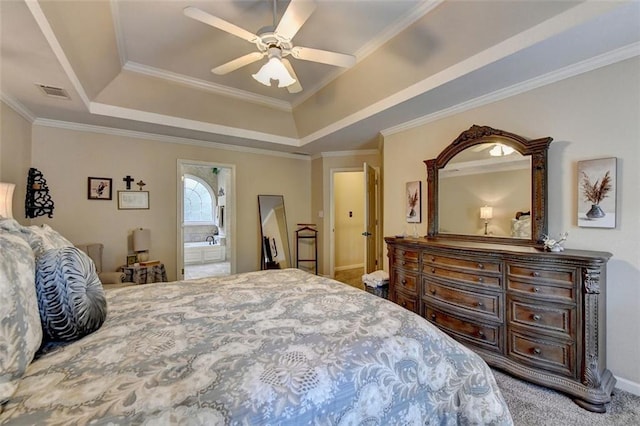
(53, 92)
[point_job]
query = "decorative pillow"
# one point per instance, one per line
(43, 238)
(20, 331)
(70, 295)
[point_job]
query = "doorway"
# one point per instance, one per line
(354, 224)
(206, 218)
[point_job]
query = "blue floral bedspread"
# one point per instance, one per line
(261, 348)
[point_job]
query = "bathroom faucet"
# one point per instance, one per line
(212, 239)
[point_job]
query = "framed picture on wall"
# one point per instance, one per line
(133, 200)
(597, 193)
(99, 188)
(414, 202)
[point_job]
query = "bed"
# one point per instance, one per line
(276, 347)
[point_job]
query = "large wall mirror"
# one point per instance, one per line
(489, 185)
(274, 235)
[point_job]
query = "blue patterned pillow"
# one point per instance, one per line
(70, 295)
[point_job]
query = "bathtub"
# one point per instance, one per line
(203, 252)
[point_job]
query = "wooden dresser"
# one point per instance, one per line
(537, 315)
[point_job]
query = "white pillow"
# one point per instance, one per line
(20, 330)
(43, 238)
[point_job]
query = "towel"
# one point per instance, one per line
(376, 279)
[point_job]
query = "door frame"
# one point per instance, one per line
(332, 237)
(230, 213)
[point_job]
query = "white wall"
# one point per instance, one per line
(593, 115)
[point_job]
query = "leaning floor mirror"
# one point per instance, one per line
(274, 236)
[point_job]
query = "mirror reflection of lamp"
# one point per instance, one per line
(486, 213)
(142, 243)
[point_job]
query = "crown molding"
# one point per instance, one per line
(112, 131)
(15, 105)
(167, 120)
(207, 86)
(603, 60)
(329, 154)
(117, 29)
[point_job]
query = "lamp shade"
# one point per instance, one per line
(274, 69)
(6, 199)
(486, 212)
(141, 239)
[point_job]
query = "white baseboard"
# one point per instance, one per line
(344, 268)
(628, 386)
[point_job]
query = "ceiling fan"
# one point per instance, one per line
(275, 43)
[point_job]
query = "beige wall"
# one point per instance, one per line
(594, 115)
(68, 157)
(15, 156)
(322, 168)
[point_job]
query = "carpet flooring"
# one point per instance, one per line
(535, 405)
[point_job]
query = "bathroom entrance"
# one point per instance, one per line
(206, 217)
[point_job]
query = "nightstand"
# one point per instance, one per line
(145, 274)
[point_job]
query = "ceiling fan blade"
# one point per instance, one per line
(323, 56)
(294, 17)
(295, 87)
(238, 63)
(221, 24)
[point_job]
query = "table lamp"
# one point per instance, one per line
(486, 213)
(6, 199)
(142, 243)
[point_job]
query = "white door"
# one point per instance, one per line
(370, 220)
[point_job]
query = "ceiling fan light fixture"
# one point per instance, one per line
(274, 69)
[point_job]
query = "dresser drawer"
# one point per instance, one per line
(467, 278)
(406, 282)
(473, 265)
(536, 289)
(548, 354)
(485, 304)
(538, 274)
(547, 317)
(409, 265)
(484, 335)
(410, 303)
(407, 254)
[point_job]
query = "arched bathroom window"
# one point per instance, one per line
(199, 201)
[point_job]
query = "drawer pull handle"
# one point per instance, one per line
(404, 263)
(537, 351)
(481, 334)
(535, 274)
(433, 291)
(480, 266)
(536, 289)
(404, 304)
(403, 282)
(433, 270)
(480, 279)
(536, 317)
(480, 305)
(433, 317)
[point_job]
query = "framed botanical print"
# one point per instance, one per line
(597, 193)
(99, 188)
(414, 202)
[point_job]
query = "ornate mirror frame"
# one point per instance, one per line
(537, 149)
